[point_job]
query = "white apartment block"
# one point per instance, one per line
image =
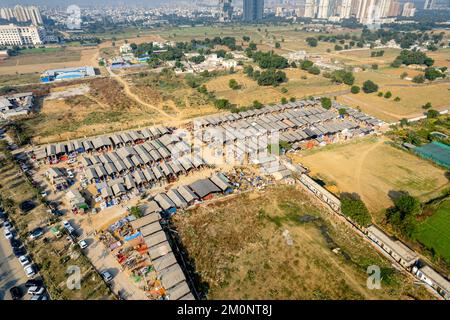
(12, 35)
(22, 14)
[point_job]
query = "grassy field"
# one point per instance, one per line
(55, 256)
(16, 79)
(434, 232)
(242, 249)
(38, 60)
(373, 169)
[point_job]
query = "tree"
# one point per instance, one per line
(355, 89)
(369, 86)
(402, 215)
(433, 73)
(197, 59)
(312, 42)
(342, 76)
(338, 47)
(233, 84)
(342, 112)
(432, 114)
(284, 90)
(427, 106)
(413, 57)
(403, 75)
(326, 103)
(306, 64)
(375, 66)
(314, 70)
(355, 209)
(397, 99)
(222, 104)
(418, 79)
(284, 100)
(277, 45)
(136, 212)
(271, 77)
(248, 70)
(380, 94)
(292, 99)
(387, 95)
(246, 38)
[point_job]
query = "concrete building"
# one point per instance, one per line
(429, 4)
(395, 9)
(323, 11)
(395, 248)
(434, 280)
(253, 10)
(409, 9)
(12, 35)
(225, 10)
(22, 14)
(310, 9)
(346, 9)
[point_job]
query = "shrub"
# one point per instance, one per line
(387, 95)
(326, 103)
(369, 86)
(355, 89)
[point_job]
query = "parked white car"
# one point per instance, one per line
(24, 261)
(36, 291)
(8, 234)
(83, 244)
(30, 271)
(73, 160)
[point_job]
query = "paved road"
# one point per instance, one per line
(11, 272)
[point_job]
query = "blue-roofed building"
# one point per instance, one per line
(67, 74)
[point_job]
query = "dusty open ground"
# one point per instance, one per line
(104, 108)
(372, 168)
(251, 91)
(412, 99)
(242, 250)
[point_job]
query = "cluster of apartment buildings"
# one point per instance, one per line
(22, 14)
(365, 11)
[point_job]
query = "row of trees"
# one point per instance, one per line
(269, 60)
(408, 57)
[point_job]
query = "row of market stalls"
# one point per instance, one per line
(303, 124)
(56, 152)
(305, 105)
(185, 196)
(143, 246)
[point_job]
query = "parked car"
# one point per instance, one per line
(66, 224)
(24, 261)
(106, 276)
(15, 243)
(7, 225)
(19, 251)
(30, 271)
(34, 283)
(39, 297)
(36, 291)
(8, 234)
(73, 160)
(36, 233)
(16, 293)
(83, 244)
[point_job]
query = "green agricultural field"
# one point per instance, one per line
(434, 232)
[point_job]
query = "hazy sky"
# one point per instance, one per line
(84, 2)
